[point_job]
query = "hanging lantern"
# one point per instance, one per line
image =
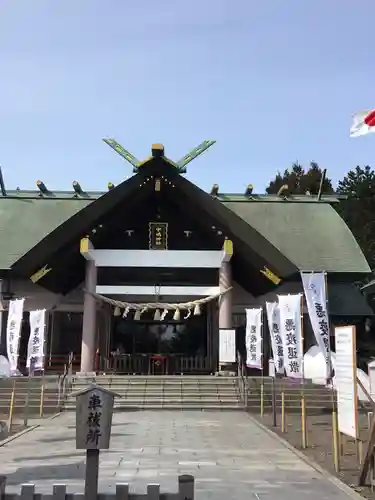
(197, 310)
(157, 315)
(176, 315)
(137, 315)
(117, 311)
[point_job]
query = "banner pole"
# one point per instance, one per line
(262, 366)
(303, 401)
(335, 429)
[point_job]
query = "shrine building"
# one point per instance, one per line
(90, 259)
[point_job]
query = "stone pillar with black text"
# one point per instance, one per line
(226, 300)
(89, 311)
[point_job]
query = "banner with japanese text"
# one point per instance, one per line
(35, 348)
(254, 341)
(314, 286)
(15, 314)
(273, 318)
(291, 333)
(227, 345)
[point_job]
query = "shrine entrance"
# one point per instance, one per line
(150, 347)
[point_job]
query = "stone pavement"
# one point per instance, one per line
(228, 453)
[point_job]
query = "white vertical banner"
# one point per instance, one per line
(291, 333)
(35, 348)
(273, 318)
(254, 338)
(314, 286)
(227, 345)
(15, 314)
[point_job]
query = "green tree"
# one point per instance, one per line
(301, 181)
(358, 210)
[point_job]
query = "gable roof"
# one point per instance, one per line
(283, 235)
(253, 252)
(312, 235)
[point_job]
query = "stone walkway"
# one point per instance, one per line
(230, 456)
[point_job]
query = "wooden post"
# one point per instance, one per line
(274, 415)
(92, 474)
(41, 405)
(94, 410)
(283, 411)
(186, 487)
(335, 442)
(262, 398)
(27, 402)
(11, 406)
(303, 421)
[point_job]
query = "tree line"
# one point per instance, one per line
(357, 209)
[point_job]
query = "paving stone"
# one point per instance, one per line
(229, 455)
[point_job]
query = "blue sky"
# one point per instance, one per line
(272, 81)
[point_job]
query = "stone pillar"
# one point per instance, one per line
(225, 301)
(89, 319)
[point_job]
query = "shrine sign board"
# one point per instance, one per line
(346, 380)
(94, 411)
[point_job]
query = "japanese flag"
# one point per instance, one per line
(363, 123)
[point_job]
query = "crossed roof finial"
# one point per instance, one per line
(158, 150)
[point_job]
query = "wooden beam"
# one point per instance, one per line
(43, 271)
(227, 250)
(85, 247)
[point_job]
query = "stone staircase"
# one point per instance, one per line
(166, 392)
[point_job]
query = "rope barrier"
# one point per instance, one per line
(166, 306)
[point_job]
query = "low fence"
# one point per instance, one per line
(139, 364)
(186, 490)
(22, 398)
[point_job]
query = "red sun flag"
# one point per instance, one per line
(363, 123)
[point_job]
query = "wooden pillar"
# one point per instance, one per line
(225, 301)
(89, 313)
(225, 281)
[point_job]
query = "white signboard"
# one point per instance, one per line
(35, 348)
(346, 380)
(254, 338)
(314, 285)
(15, 314)
(94, 419)
(291, 333)
(227, 346)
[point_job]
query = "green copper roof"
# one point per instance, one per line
(309, 233)
(26, 221)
